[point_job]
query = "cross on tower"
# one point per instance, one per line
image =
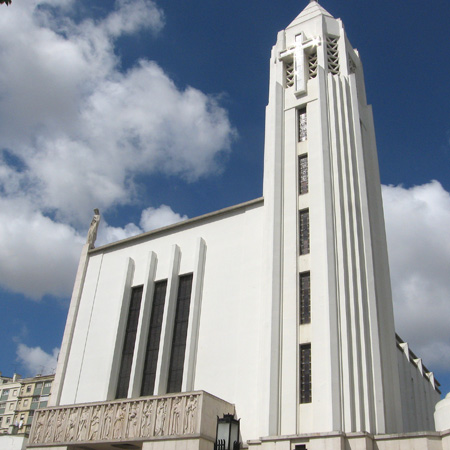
(298, 51)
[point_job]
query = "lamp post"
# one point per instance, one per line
(227, 436)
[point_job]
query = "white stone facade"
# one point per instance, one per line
(290, 315)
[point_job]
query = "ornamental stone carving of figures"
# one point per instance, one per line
(118, 421)
(146, 418)
(71, 428)
(175, 426)
(95, 424)
(133, 418)
(50, 423)
(83, 424)
(59, 425)
(160, 418)
(107, 423)
(39, 427)
(189, 421)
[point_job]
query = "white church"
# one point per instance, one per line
(277, 311)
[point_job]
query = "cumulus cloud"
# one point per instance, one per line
(153, 218)
(76, 131)
(80, 127)
(417, 225)
(36, 361)
(37, 255)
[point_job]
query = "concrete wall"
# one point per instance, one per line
(225, 254)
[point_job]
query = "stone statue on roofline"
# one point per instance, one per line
(92, 233)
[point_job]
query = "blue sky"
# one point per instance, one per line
(154, 112)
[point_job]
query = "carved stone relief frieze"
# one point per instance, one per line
(129, 419)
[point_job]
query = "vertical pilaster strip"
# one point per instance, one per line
(143, 327)
(270, 336)
(168, 321)
(330, 307)
(341, 264)
(190, 358)
(121, 320)
(66, 344)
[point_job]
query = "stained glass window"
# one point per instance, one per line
(180, 334)
(305, 298)
(128, 345)
(302, 125)
(304, 232)
(154, 335)
(303, 174)
(305, 373)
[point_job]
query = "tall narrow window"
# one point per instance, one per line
(304, 232)
(303, 174)
(305, 298)
(305, 373)
(128, 345)
(154, 335)
(302, 125)
(180, 334)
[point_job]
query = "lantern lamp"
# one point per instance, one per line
(227, 436)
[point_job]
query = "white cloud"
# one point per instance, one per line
(37, 255)
(80, 127)
(75, 130)
(417, 225)
(36, 361)
(152, 218)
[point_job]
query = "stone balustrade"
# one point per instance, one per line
(146, 418)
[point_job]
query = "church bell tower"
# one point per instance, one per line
(331, 340)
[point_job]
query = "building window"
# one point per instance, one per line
(305, 373)
(25, 402)
(303, 174)
(289, 67)
(302, 125)
(29, 388)
(305, 298)
(37, 388)
(333, 55)
(128, 345)
(154, 335)
(304, 232)
(180, 334)
(8, 419)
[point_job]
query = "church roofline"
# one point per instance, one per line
(184, 223)
(313, 9)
